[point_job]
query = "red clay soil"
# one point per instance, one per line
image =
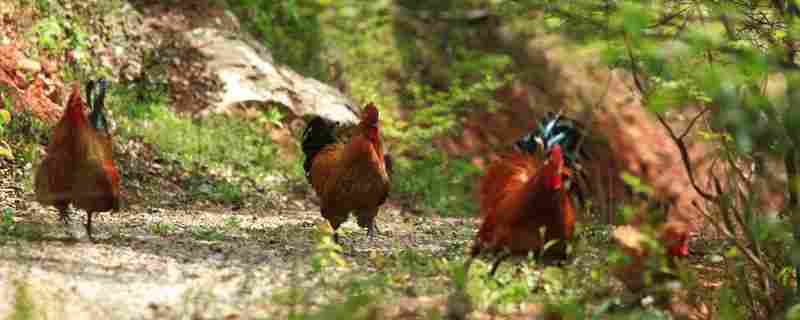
(627, 138)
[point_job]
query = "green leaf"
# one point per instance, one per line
(636, 184)
(666, 97)
(634, 18)
(5, 152)
(5, 117)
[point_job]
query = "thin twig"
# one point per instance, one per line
(685, 157)
(634, 66)
(691, 123)
(762, 269)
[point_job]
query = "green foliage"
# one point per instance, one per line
(10, 228)
(290, 29)
(203, 144)
(441, 111)
(226, 192)
(162, 229)
(232, 223)
(7, 222)
(438, 182)
(5, 150)
(206, 233)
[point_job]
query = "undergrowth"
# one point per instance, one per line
(237, 152)
(437, 182)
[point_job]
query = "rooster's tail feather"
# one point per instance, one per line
(318, 134)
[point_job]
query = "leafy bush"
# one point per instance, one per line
(290, 29)
(196, 143)
(718, 57)
(438, 182)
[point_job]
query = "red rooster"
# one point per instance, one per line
(79, 168)
(348, 176)
(525, 201)
(519, 196)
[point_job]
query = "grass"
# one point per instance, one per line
(232, 223)
(24, 307)
(162, 229)
(223, 155)
(206, 233)
(337, 288)
(9, 228)
(219, 143)
(437, 182)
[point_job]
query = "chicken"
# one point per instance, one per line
(569, 134)
(673, 236)
(348, 176)
(520, 194)
(79, 168)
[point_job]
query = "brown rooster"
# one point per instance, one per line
(519, 196)
(673, 236)
(347, 176)
(531, 189)
(79, 168)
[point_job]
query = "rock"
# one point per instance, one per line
(248, 74)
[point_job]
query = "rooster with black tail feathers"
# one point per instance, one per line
(349, 174)
(555, 129)
(529, 190)
(79, 167)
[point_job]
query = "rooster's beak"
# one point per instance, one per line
(539, 145)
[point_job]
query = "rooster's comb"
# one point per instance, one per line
(370, 114)
(555, 152)
(75, 103)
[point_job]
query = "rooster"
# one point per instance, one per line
(348, 176)
(522, 193)
(673, 237)
(79, 168)
(554, 129)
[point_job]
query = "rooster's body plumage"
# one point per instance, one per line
(520, 195)
(348, 176)
(79, 167)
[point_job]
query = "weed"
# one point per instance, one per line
(226, 192)
(206, 233)
(7, 223)
(232, 223)
(162, 229)
(438, 182)
(229, 147)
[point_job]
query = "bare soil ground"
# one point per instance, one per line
(153, 261)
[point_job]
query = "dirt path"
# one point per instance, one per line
(160, 262)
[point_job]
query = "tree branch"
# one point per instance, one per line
(685, 157)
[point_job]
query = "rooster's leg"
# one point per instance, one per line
(503, 256)
(89, 225)
(372, 231)
(63, 215)
(366, 219)
(335, 223)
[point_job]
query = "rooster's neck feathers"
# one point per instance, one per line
(74, 112)
(555, 129)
